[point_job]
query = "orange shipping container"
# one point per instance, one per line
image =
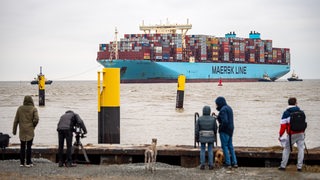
(179, 49)
(251, 60)
(236, 51)
(214, 53)
(214, 41)
(146, 57)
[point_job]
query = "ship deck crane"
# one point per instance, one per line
(168, 29)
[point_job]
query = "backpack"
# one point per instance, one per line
(298, 121)
(4, 140)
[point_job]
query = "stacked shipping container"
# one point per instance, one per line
(199, 48)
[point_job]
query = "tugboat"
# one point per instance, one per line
(294, 77)
(265, 78)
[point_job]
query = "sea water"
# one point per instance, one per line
(148, 110)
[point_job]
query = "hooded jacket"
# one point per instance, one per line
(285, 121)
(225, 116)
(69, 120)
(206, 127)
(27, 118)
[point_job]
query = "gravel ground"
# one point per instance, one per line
(44, 169)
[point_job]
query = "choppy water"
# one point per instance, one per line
(148, 110)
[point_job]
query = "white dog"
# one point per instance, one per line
(150, 155)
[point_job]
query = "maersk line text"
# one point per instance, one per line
(229, 69)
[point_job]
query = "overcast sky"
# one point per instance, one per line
(63, 36)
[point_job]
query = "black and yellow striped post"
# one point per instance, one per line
(109, 106)
(41, 85)
(180, 91)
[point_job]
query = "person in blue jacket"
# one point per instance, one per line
(205, 132)
(226, 128)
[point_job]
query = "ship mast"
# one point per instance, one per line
(168, 29)
(114, 47)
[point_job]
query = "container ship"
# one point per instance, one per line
(163, 52)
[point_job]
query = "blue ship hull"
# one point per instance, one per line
(142, 71)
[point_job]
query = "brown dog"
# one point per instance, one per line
(150, 155)
(218, 158)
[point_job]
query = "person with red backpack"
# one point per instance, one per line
(293, 122)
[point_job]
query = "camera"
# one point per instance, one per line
(79, 129)
(79, 134)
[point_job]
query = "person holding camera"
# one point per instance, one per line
(69, 122)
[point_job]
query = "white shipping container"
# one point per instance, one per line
(158, 49)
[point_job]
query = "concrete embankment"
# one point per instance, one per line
(184, 156)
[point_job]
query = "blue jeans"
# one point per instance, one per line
(228, 151)
(203, 154)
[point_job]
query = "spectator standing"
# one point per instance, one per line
(295, 137)
(26, 118)
(206, 131)
(226, 128)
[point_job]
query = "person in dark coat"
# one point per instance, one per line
(226, 127)
(66, 127)
(27, 118)
(205, 131)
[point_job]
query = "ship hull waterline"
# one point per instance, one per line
(146, 71)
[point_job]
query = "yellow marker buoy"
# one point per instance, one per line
(180, 91)
(41, 85)
(109, 106)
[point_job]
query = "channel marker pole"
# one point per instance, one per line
(180, 91)
(109, 106)
(41, 85)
